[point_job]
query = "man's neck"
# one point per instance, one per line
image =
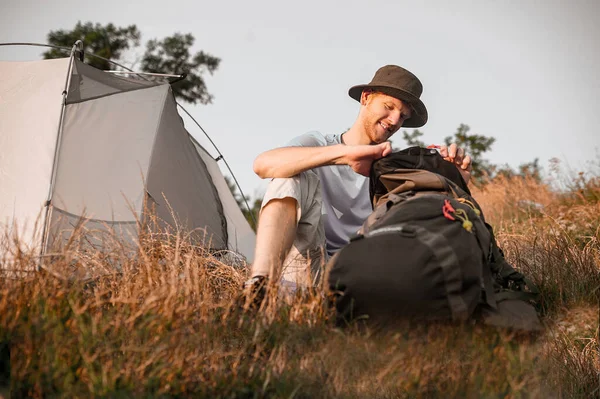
(355, 136)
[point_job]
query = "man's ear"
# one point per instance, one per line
(364, 96)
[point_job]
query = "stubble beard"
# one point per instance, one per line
(371, 131)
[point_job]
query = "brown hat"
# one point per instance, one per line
(397, 82)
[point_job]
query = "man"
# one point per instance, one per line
(319, 195)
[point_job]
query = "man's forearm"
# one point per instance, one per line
(290, 161)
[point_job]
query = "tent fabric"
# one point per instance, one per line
(122, 143)
(239, 234)
(180, 184)
(30, 109)
(88, 82)
(97, 232)
(105, 152)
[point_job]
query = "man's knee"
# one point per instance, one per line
(279, 210)
(304, 188)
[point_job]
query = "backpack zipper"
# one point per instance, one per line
(404, 230)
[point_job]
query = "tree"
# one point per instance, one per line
(171, 55)
(252, 215)
(475, 146)
(531, 170)
(106, 41)
(412, 139)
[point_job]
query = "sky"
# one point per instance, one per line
(524, 72)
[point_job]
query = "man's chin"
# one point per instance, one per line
(379, 140)
(378, 136)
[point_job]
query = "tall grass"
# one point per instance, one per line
(167, 320)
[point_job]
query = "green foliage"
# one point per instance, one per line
(475, 145)
(172, 55)
(250, 215)
(413, 139)
(531, 170)
(106, 41)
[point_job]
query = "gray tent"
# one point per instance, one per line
(102, 149)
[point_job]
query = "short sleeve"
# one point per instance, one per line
(310, 139)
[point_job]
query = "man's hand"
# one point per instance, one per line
(360, 157)
(458, 157)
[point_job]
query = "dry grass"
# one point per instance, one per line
(166, 320)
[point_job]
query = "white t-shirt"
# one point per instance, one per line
(346, 202)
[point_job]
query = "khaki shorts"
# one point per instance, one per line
(305, 261)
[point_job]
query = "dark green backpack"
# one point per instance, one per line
(426, 252)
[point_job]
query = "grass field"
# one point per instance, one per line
(170, 322)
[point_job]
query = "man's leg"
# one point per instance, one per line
(274, 237)
(290, 236)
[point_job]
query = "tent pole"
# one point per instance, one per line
(166, 75)
(70, 50)
(221, 157)
(78, 46)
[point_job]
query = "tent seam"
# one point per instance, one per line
(55, 158)
(215, 191)
(108, 95)
(92, 219)
(158, 121)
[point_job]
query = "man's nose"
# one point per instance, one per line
(394, 118)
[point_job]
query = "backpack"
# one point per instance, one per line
(427, 253)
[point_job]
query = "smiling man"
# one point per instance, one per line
(319, 195)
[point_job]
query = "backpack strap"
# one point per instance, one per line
(383, 206)
(509, 283)
(506, 281)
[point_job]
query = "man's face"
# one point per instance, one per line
(382, 115)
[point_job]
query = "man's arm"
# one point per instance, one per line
(289, 161)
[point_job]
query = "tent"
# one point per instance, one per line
(79, 142)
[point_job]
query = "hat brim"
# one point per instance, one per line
(419, 114)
